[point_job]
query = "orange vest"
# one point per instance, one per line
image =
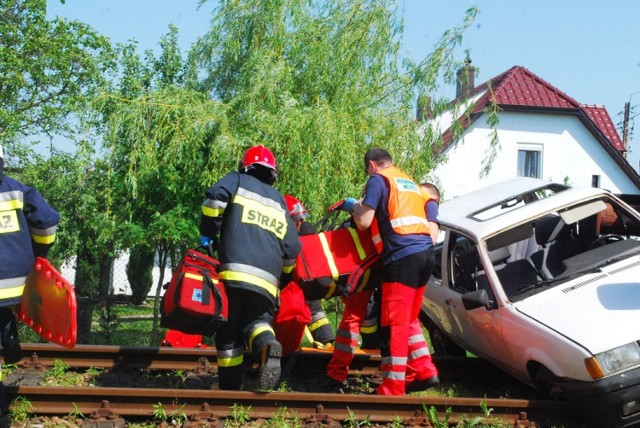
(406, 206)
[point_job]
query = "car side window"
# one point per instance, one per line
(464, 263)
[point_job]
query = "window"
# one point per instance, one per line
(529, 163)
(595, 181)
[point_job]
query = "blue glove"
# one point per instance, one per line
(347, 205)
(204, 240)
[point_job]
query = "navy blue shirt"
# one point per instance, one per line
(376, 195)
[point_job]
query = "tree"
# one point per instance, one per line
(48, 70)
(320, 82)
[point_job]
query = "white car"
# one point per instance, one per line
(543, 280)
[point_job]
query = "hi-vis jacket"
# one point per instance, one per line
(258, 240)
(406, 206)
(26, 222)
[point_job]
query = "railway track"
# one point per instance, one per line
(208, 406)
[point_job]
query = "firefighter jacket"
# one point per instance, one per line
(406, 207)
(27, 223)
(258, 240)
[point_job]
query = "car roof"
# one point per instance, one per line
(469, 212)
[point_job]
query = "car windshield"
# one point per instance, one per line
(561, 245)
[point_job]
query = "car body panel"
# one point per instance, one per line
(561, 284)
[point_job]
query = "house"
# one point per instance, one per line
(542, 132)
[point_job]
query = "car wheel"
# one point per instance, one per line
(548, 383)
(441, 344)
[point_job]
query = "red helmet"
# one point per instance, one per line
(259, 155)
(297, 211)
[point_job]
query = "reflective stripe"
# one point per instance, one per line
(287, 269)
(230, 358)
(416, 338)
(347, 334)
(327, 253)
(198, 277)
(12, 200)
(408, 221)
(260, 199)
(369, 330)
(356, 241)
(43, 236)
(365, 279)
(395, 361)
(393, 375)
(249, 279)
(9, 293)
(257, 330)
(332, 289)
(210, 212)
(214, 204)
(422, 352)
(316, 325)
(251, 270)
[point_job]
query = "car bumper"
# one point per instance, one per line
(613, 401)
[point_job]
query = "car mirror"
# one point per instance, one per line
(476, 299)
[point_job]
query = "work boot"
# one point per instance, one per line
(9, 339)
(422, 385)
(330, 385)
(269, 375)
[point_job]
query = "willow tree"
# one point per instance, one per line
(320, 82)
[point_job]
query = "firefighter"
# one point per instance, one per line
(246, 220)
(27, 229)
(395, 208)
(319, 326)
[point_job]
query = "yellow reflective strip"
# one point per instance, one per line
(365, 279)
(9, 293)
(250, 279)
(356, 240)
(257, 331)
(287, 269)
(332, 289)
(230, 362)
(316, 325)
(14, 204)
(327, 253)
(39, 239)
(193, 276)
(212, 212)
(369, 330)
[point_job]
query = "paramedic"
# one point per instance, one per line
(319, 326)
(246, 219)
(27, 230)
(395, 208)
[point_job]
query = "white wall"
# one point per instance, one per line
(568, 151)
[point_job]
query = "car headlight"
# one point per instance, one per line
(613, 361)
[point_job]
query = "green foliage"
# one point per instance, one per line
(49, 69)
(353, 421)
(139, 272)
(21, 409)
(238, 417)
(283, 419)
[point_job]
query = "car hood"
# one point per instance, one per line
(595, 310)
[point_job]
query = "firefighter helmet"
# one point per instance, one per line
(297, 211)
(258, 155)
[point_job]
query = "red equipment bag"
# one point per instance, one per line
(337, 262)
(195, 301)
(291, 319)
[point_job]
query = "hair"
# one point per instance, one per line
(430, 187)
(378, 156)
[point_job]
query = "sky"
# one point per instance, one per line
(588, 49)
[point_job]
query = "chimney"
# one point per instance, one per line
(465, 80)
(423, 108)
